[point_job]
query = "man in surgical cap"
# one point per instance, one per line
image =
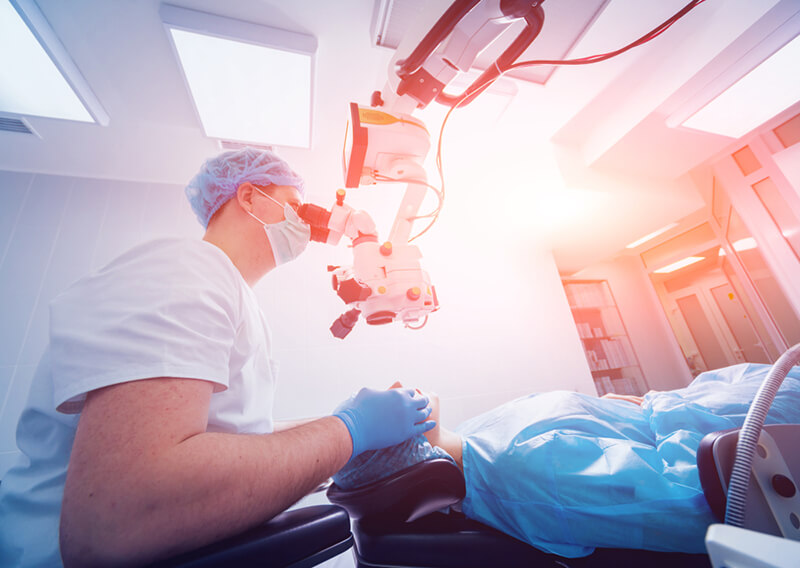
(148, 431)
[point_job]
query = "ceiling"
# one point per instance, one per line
(584, 160)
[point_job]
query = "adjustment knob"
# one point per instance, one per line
(340, 193)
(386, 248)
(414, 293)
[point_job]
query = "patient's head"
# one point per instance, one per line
(432, 435)
(374, 465)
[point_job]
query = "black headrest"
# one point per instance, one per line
(714, 481)
(406, 495)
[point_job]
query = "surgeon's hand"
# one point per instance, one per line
(378, 419)
(434, 434)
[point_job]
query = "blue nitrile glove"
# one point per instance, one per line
(381, 418)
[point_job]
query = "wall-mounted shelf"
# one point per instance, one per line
(612, 361)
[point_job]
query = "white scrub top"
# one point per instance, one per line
(167, 308)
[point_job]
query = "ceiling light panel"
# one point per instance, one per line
(765, 91)
(249, 83)
(688, 261)
(749, 82)
(37, 75)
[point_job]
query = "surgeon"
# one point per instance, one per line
(568, 472)
(148, 430)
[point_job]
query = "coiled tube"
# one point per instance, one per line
(751, 431)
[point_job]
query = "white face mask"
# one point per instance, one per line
(287, 238)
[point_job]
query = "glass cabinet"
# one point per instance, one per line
(612, 361)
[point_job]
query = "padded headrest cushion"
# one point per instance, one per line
(406, 495)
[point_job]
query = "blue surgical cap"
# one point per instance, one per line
(220, 177)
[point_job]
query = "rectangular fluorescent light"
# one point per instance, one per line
(652, 235)
(680, 264)
(249, 83)
(747, 243)
(770, 88)
(37, 75)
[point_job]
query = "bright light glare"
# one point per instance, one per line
(680, 264)
(765, 91)
(247, 92)
(558, 208)
(30, 83)
(652, 235)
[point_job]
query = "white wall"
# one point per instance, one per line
(788, 160)
(651, 336)
(504, 328)
(53, 230)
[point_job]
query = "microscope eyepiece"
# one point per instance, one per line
(318, 218)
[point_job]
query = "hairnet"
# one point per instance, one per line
(218, 179)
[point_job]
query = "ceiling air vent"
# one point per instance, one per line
(15, 125)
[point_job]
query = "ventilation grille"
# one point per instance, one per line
(14, 125)
(230, 145)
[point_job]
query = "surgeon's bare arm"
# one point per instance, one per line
(282, 425)
(146, 481)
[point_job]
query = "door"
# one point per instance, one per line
(717, 331)
(748, 345)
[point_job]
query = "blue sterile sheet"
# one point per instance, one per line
(567, 472)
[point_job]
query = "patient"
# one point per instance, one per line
(568, 472)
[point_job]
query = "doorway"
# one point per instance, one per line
(711, 322)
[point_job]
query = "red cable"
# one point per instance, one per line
(652, 34)
(649, 36)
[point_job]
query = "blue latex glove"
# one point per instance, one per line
(381, 418)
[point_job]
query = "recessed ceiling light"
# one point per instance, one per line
(37, 75)
(652, 235)
(680, 264)
(771, 87)
(249, 83)
(747, 243)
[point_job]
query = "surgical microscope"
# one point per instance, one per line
(385, 143)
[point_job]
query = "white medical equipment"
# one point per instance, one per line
(386, 282)
(758, 514)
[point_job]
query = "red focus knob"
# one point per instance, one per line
(413, 293)
(386, 248)
(340, 193)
